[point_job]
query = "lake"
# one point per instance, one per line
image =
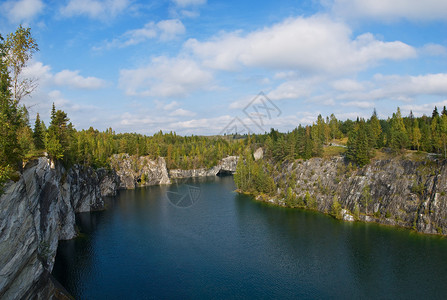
(198, 239)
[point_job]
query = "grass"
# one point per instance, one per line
(333, 151)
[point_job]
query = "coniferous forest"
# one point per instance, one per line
(359, 140)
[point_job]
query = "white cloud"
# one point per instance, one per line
(45, 76)
(165, 30)
(165, 77)
(74, 80)
(136, 36)
(430, 84)
(57, 98)
(359, 104)
(434, 50)
(180, 112)
(291, 90)
(426, 108)
(415, 10)
(242, 103)
(309, 45)
(95, 9)
(37, 70)
(184, 3)
(170, 29)
(398, 88)
(169, 106)
(22, 10)
(347, 85)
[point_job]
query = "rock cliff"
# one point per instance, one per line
(226, 166)
(136, 171)
(397, 191)
(37, 211)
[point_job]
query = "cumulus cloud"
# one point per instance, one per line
(396, 87)
(165, 77)
(74, 80)
(415, 10)
(170, 29)
(291, 90)
(316, 44)
(37, 70)
(164, 30)
(94, 9)
(22, 10)
(68, 78)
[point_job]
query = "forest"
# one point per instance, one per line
(358, 140)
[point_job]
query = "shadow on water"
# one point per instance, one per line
(227, 245)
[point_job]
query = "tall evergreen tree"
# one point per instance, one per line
(399, 136)
(375, 129)
(435, 113)
(38, 134)
(444, 111)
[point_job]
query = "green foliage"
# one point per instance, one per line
(336, 208)
(20, 47)
(357, 212)
(310, 201)
(5, 173)
(38, 134)
(418, 188)
(251, 176)
(399, 137)
(144, 178)
(360, 144)
(366, 197)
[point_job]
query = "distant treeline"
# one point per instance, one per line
(428, 134)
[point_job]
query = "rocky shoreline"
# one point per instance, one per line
(39, 210)
(398, 191)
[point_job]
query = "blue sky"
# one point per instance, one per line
(191, 66)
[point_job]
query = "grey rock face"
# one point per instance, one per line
(39, 210)
(401, 192)
(227, 165)
(259, 154)
(134, 171)
(36, 212)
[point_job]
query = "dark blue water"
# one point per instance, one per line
(228, 246)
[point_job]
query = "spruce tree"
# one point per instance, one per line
(375, 128)
(435, 113)
(399, 136)
(38, 134)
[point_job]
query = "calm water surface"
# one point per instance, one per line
(228, 246)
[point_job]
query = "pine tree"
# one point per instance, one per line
(435, 113)
(376, 129)
(359, 144)
(416, 138)
(10, 118)
(38, 135)
(336, 208)
(399, 136)
(444, 111)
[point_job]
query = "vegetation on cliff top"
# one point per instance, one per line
(358, 140)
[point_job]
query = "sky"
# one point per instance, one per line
(209, 67)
